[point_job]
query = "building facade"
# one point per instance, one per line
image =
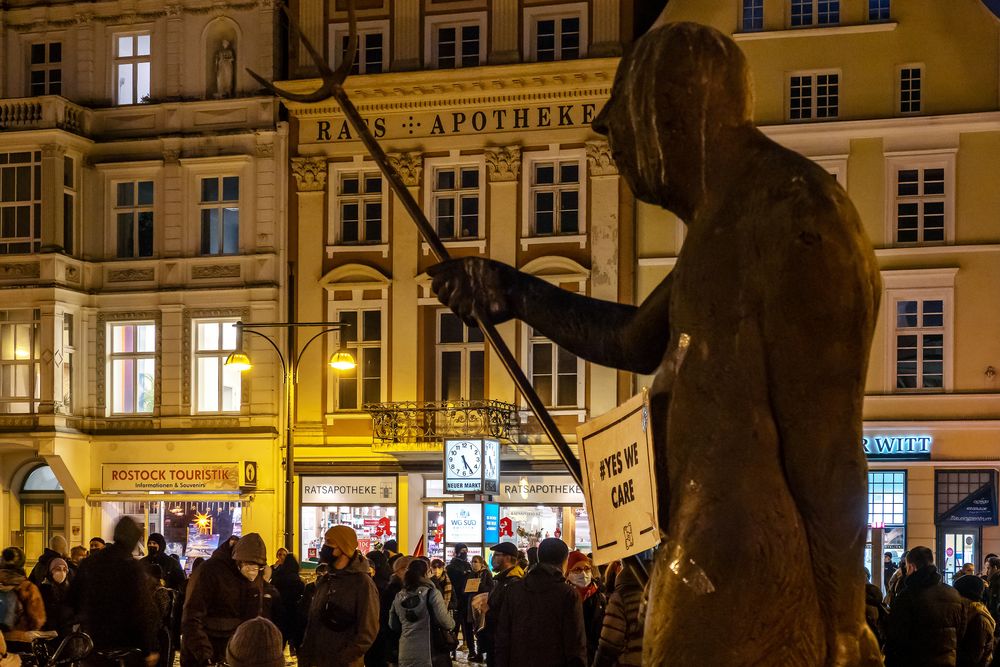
(142, 213)
(485, 109)
(904, 114)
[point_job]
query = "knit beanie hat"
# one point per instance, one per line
(250, 549)
(55, 562)
(256, 643)
(970, 587)
(552, 551)
(13, 557)
(575, 557)
(344, 537)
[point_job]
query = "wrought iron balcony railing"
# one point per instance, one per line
(432, 422)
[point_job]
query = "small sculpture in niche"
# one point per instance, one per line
(225, 68)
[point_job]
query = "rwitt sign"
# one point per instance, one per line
(449, 123)
(898, 447)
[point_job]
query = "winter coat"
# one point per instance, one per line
(876, 615)
(459, 572)
(386, 646)
(173, 573)
(443, 584)
(927, 623)
(410, 615)
(352, 629)
(41, 569)
(219, 598)
(620, 644)
(115, 602)
(291, 587)
(494, 603)
(977, 648)
(895, 585)
(32, 614)
(59, 613)
(594, 603)
(541, 622)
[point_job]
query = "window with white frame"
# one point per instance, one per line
(454, 43)
(878, 10)
(45, 69)
(919, 342)
(69, 203)
(360, 206)
(554, 196)
(920, 198)
(217, 386)
(68, 353)
(20, 202)
(556, 33)
(813, 95)
(133, 213)
(132, 67)
(20, 369)
(555, 373)
(220, 215)
(752, 15)
(373, 42)
(814, 12)
(461, 360)
(363, 339)
(132, 362)
(910, 88)
(455, 201)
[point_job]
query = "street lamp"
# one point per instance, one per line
(341, 360)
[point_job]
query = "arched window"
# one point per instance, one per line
(41, 479)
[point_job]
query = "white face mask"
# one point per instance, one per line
(579, 579)
(59, 576)
(249, 570)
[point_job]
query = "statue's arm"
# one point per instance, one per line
(611, 334)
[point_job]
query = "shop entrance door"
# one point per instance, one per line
(41, 519)
(956, 547)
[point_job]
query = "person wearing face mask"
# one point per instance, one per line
(156, 552)
(475, 614)
(459, 571)
(506, 563)
(59, 614)
(225, 591)
(439, 577)
(344, 613)
(58, 548)
(579, 572)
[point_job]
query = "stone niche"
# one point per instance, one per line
(222, 58)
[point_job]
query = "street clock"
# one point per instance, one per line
(472, 466)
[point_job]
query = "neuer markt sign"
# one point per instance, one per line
(467, 121)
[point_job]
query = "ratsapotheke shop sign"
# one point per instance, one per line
(170, 476)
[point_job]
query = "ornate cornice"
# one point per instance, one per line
(503, 164)
(600, 160)
(409, 166)
(310, 173)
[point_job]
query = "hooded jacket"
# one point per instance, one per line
(32, 616)
(218, 600)
(410, 615)
(291, 588)
(354, 610)
(541, 622)
(173, 573)
(41, 569)
(621, 634)
(494, 604)
(927, 623)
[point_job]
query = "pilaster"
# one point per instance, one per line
(313, 26)
(53, 159)
(504, 23)
(175, 54)
(605, 28)
(405, 245)
(407, 34)
(49, 339)
(173, 202)
(603, 221)
(503, 167)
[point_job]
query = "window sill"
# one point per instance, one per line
(332, 250)
(550, 240)
(478, 244)
(862, 28)
(334, 417)
(579, 413)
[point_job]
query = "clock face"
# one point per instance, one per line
(464, 459)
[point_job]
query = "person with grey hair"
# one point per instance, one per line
(58, 548)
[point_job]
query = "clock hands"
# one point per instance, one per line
(467, 466)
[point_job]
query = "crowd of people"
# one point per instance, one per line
(921, 621)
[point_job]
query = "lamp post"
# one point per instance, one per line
(341, 360)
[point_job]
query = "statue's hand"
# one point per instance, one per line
(473, 287)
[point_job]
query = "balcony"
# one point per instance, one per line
(44, 113)
(418, 423)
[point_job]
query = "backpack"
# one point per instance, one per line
(9, 608)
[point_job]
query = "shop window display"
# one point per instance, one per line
(374, 525)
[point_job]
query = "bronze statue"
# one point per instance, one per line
(759, 338)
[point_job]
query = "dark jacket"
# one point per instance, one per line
(349, 629)
(927, 623)
(487, 636)
(876, 615)
(218, 600)
(59, 613)
(385, 648)
(115, 602)
(593, 618)
(173, 573)
(541, 623)
(291, 587)
(41, 569)
(459, 572)
(620, 644)
(977, 647)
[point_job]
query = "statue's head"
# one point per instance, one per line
(679, 86)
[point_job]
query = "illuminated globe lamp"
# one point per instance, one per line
(342, 360)
(238, 360)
